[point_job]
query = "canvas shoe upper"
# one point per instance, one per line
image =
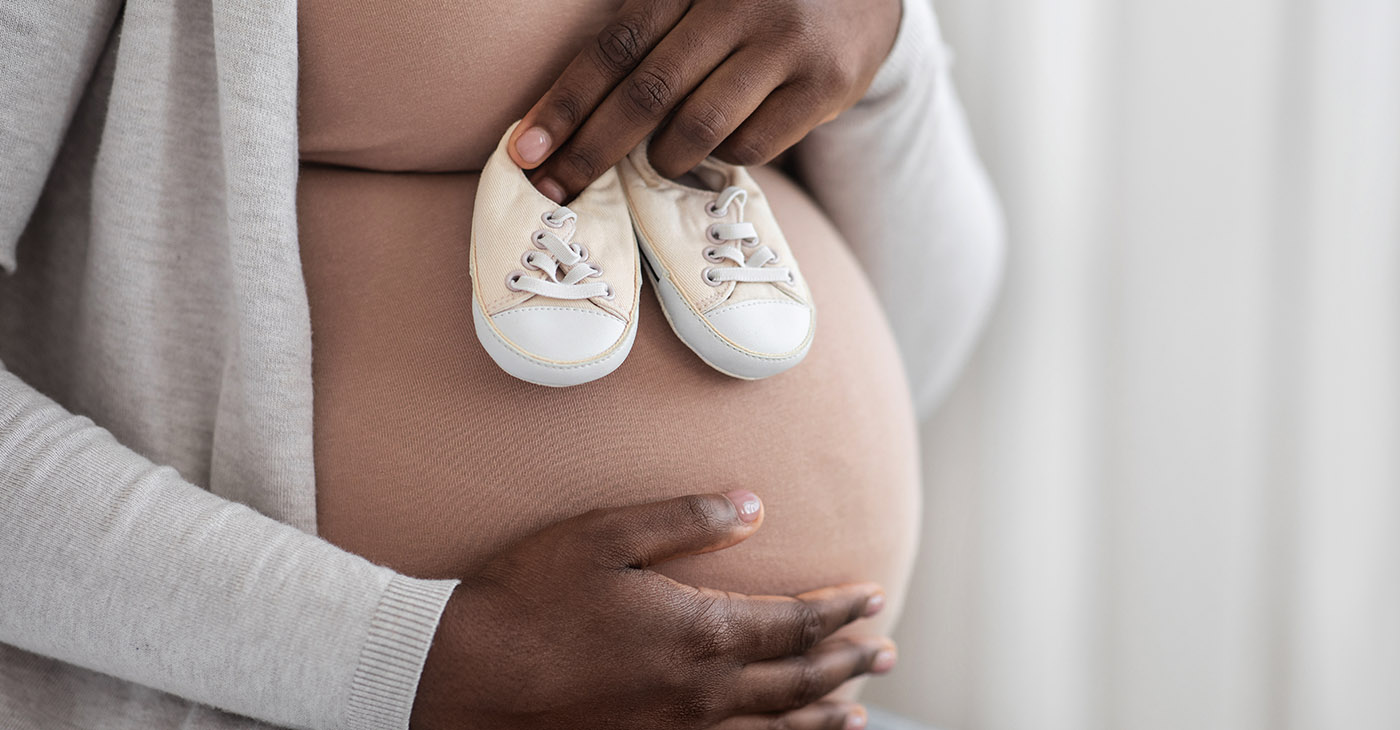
(554, 288)
(723, 272)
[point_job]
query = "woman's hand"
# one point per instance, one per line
(742, 79)
(569, 629)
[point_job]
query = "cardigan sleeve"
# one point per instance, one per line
(115, 564)
(899, 176)
(119, 565)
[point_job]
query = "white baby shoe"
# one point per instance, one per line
(724, 274)
(554, 288)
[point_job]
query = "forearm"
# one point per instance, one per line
(116, 564)
(899, 176)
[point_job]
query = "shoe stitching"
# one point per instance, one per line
(756, 302)
(605, 315)
(515, 349)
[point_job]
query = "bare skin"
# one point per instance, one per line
(739, 79)
(570, 629)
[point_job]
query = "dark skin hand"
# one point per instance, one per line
(571, 629)
(740, 79)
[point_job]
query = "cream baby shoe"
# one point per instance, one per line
(721, 267)
(554, 288)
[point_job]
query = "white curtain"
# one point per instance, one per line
(1167, 492)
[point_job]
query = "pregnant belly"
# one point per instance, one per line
(429, 458)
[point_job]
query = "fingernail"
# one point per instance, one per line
(550, 189)
(855, 721)
(747, 503)
(874, 604)
(884, 661)
(532, 145)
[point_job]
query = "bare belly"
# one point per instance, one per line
(429, 458)
(428, 85)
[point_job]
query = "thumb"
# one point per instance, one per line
(643, 535)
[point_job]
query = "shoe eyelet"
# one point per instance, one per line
(713, 210)
(711, 254)
(713, 234)
(706, 276)
(548, 219)
(792, 278)
(527, 259)
(538, 238)
(581, 250)
(512, 278)
(611, 294)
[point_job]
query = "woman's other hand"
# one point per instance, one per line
(570, 629)
(740, 79)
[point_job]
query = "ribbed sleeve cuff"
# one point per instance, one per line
(391, 662)
(916, 44)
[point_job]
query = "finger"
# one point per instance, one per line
(769, 627)
(639, 104)
(781, 122)
(591, 76)
(817, 716)
(647, 534)
(780, 685)
(716, 109)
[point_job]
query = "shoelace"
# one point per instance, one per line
(558, 256)
(758, 266)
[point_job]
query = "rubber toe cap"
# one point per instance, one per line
(560, 334)
(766, 326)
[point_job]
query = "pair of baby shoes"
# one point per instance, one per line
(556, 289)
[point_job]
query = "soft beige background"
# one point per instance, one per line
(1167, 493)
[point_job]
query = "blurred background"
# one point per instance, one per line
(1167, 492)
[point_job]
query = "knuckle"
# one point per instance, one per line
(704, 519)
(839, 74)
(567, 108)
(807, 627)
(648, 93)
(793, 21)
(834, 720)
(748, 150)
(581, 162)
(619, 46)
(809, 92)
(703, 126)
(607, 538)
(673, 676)
(697, 708)
(808, 685)
(712, 629)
